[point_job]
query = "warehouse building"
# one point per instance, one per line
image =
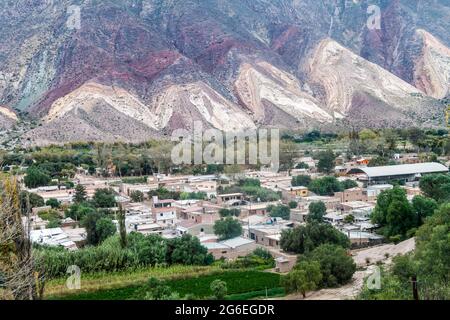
(401, 173)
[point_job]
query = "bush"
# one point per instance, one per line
(303, 239)
(336, 266)
(227, 228)
(219, 289)
(36, 178)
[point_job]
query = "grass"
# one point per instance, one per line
(242, 285)
(112, 280)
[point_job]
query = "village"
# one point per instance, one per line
(207, 199)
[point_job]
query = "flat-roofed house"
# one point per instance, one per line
(232, 248)
(225, 198)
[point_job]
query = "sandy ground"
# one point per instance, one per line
(382, 254)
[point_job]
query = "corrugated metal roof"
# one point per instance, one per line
(404, 169)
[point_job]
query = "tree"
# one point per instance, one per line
(326, 161)
(219, 289)
(104, 198)
(307, 237)
(301, 180)
(325, 186)
(394, 213)
(54, 203)
(227, 228)
(21, 279)
(436, 186)
(158, 290)
(280, 211)
(306, 276)
(433, 252)
(78, 211)
(104, 228)
(292, 204)
(229, 212)
(423, 208)
(302, 165)
(36, 178)
(288, 152)
(349, 219)
(187, 250)
(336, 266)
(89, 222)
(316, 211)
(80, 194)
(122, 227)
(348, 184)
(29, 200)
(137, 196)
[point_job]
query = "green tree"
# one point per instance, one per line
(104, 229)
(227, 228)
(349, 218)
(280, 211)
(89, 222)
(122, 227)
(54, 203)
(29, 200)
(219, 289)
(423, 207)
(336, 266)
(301, 180)
(78, 211)
(325, 186)
(348, 184)
(394, 213)
(36, 178)
(80, 194)
(306, 238)
(137, 196)
(316, 211)
(292, 204)
(306, 276)
(187, 250)
(159, 290)
(229, 212)
(104, 198)
(436, 186)
(326, 162)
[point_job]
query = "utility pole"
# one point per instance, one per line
(414, 288)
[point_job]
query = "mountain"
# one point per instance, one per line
(7, 117)
(142, 68)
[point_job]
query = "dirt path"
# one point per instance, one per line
(382, 254)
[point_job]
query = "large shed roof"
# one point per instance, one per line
(399, 170)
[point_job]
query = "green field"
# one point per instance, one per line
(241, 285)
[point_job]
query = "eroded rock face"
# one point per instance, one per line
(262, 83)
(145, 67)
(7, 118)
(432, 70)
(344, 74)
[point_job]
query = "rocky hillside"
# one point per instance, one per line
(141, 68)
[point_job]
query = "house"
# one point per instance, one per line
(227, 198)
(163, 212)
(289, 192)
(298, 215)
(269, 233)
(353, 194)
(331, 203)
(284, 264)
(232, 248)
(67, 238)
(259, 208)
